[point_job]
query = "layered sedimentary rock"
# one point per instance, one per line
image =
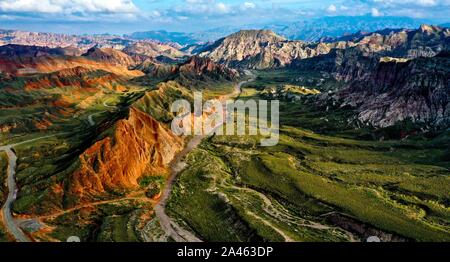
(139, 146)
(26, 60)
(110, 56)
(393, 91)
(260, 49)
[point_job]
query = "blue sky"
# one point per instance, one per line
(122, 16)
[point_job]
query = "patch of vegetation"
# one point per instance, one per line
(218, 208)
(3, 177)
(146, 181)
(208, 214)
(152, 184)
(107, 222)
(325, 162)
(157, 103)
(3, 235)
(321, 81)
(119, 228)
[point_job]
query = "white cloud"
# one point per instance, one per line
(201, 7)
(375, 12)
(68, 6)
(222, 8)
(331, 9)
(424, 3)
(248, 5)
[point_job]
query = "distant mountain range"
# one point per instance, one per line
(313, 30)
(389, 75)
(350, 56)
(336, 26)
(306, 30)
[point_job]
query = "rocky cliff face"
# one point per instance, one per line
(77, 77)
(110, 56)
(138, 146)
(155, 50)
(427, 41)
(205, 68)
(392, 75)
(260, 49)
(27, 60)
(396, 76)
(53, 40)
(192, 72)
(393, 91)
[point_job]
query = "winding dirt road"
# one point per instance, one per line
(169, 226)
(11, 224)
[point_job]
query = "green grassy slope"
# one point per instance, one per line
(399, 188)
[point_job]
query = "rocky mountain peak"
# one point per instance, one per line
(256, 49)
(261, 35)
(429, 28)
(205, 68)
(110, 55)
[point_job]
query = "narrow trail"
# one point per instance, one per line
(105, 104)
(91, 120)
(271, 208)
(279, 231)
(99, 203)
(169, 226)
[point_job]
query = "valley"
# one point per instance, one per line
(87, 149)
(313, 187)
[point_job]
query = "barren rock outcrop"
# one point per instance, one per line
(139, 146)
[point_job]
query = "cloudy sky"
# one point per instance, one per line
(121, 16)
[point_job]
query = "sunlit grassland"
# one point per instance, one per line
(42, 163)
(249, 93)
(215, 90)
(308, 79)
(209, 199)
(216, 220)
(364, 179)
(115, 222)
(363, 202)
(3, 237)
(119, 228)
(323, 163)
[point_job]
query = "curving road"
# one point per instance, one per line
(10, 223)
(169, 226)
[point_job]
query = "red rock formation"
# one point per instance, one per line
(110, 56)
(139, 146)
(79, 77)
(204, 66)
(25, 60)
